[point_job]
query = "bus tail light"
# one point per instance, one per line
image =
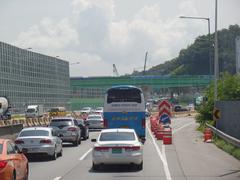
(105, 123)
(143, 123)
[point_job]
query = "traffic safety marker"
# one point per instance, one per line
(207, 135)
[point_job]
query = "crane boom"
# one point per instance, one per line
(115, 71)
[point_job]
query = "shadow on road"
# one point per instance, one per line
(114, 169)
(38, 158)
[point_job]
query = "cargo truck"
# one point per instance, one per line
(34, 111)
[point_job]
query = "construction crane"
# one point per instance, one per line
(115, 71)
(145, 61)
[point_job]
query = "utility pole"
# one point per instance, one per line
(216, 66)
(144, 70)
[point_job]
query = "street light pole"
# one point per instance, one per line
(209, 38)
(216, 67)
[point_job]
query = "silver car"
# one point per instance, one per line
(39, 140)
(67, 128)
(95, 121)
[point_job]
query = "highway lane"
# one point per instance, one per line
(187, 158)
(71, 166)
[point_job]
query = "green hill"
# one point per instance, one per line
(194, 60)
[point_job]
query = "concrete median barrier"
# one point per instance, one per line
(10, 132)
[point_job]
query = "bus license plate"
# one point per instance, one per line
(124, 127)
(117, 150)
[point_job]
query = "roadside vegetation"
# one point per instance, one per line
(228, 89)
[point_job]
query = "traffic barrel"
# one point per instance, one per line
(208, 135)
(153, 123)
(167, 135)
(160, 131)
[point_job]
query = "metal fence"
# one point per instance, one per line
(229, 121)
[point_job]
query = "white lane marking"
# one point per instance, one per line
(163, 159)
(57, 178)
(188, 124)
(85, 155)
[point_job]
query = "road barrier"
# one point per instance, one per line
(10, 132)
(160, 132)
(167, 135)
(226, 137)
(207, 135)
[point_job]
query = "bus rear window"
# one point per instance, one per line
(124, 95)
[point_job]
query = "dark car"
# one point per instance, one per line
(84, 126)
(178, 108)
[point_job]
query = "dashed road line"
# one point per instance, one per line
(85, 155)
(57, 178)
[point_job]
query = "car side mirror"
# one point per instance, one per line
(93, 140)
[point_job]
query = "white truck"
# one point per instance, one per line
(4, 108)
(34, 111)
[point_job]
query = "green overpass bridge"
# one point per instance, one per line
(152, 81)
(89, 91)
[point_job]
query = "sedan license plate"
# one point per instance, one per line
(117, 150)
(33, 149)
(125, 127)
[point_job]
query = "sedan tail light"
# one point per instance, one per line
(3, 164)
(46, 141)
(19, 141)
(101, 149)
(132, 148)
(72, 129)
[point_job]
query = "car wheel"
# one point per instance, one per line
(80, 140)
(54, 156)
(139, 166)
(60, 153)
(95, 167)
(75, 143)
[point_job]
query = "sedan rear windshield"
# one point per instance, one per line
(1, 148)
(117, 136)
(61, 122)
(34, 133)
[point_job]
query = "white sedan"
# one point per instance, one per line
(39, 140)
(117, 146)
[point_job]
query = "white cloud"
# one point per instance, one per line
(92, 36)
(48, 35)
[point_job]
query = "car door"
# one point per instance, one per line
(56, 140)
(16, 159)
(76, 125)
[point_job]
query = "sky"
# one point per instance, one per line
(95, 34)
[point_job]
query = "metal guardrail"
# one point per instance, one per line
(226, 137)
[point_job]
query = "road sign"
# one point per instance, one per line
(165, 104)
(166, 111)
(216, 114)
(164, 118)
(164, 107)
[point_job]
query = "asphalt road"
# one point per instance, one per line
(187, 158)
